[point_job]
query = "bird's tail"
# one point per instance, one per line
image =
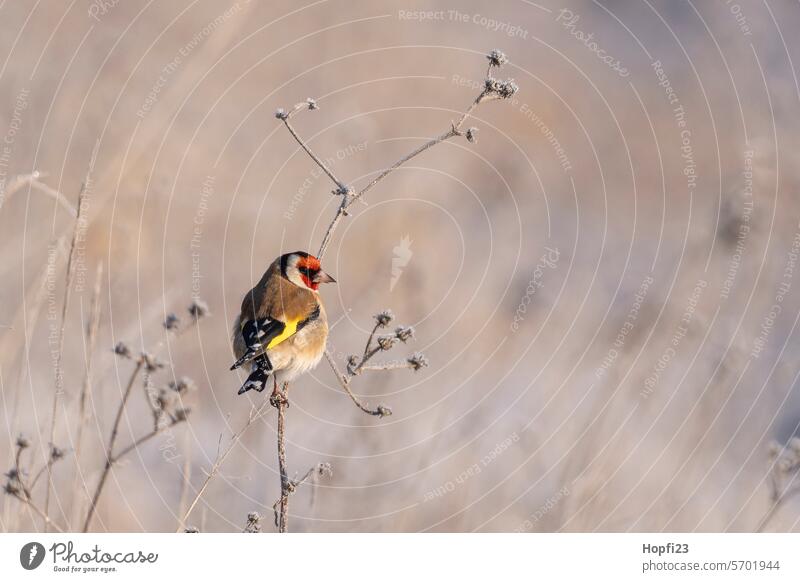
(257, 380)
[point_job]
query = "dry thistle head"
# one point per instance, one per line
(386, 342)
(56, 453)
(198, 309)
(384, 318)
(497, 58)
(12, 486)
(417, 361)
(172, 322)
(253, 523)
(182, 414)
(404, 333)
(500, 89)
(182, 385)
(122, 350)
(151, 362)
(23, 442)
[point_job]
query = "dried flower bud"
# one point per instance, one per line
(503, 89)
(281, 114)
(191, 529)
(253, 523)
(122, 350)
(472, 136)
(417, 361)
(312, 104)
(404, 333)
(164, 399)
(171, 322)
(151, 362)
(384, 318)
(182, 414)
(496, 58)
(56, 453)
(352, 364)
(182, 385)
(12, 487)
(385, 342)
(23, 442)
(384, 410)
(198, 309)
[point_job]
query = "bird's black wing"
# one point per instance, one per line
(257, 334)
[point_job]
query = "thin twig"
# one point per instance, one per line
(280, 401)
(60, 354)
(220, 459)
(339, 184)
(29, 502)
(344, 382)
(110, 449)
(83, 417)
(780, 499)
(32, 179)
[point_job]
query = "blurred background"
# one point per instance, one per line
(604, 283)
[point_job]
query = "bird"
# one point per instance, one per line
(282, 328)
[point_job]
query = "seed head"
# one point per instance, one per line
(417, 361)
(496, 58)
(312, 104)
(472, 136)
(182, 385)
(122, 350)
(23, 442)
(280, 113)
(253, 523)
(385, 342)
(171, 322)
(404, 333)
(384, 318)
(198, 309)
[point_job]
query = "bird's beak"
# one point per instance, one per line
(323, 277)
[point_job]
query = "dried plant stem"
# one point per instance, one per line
(339, 184)
(344, 382)
(83, 417)
(30, 318)
(348, 199)
(32, 179)
(220, 459)
(29, 502)
(58, 388)
(280, 401)
(778, 502)
(110, 449)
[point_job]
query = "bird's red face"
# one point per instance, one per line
(304, 270)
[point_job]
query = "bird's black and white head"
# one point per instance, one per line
(304, 270)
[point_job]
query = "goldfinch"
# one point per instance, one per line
(282, 328)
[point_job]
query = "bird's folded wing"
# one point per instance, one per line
(260, 335)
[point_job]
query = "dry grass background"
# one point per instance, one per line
(510, 428)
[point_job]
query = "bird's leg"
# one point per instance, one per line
(278, 398)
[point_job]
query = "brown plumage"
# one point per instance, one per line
(282, 328)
